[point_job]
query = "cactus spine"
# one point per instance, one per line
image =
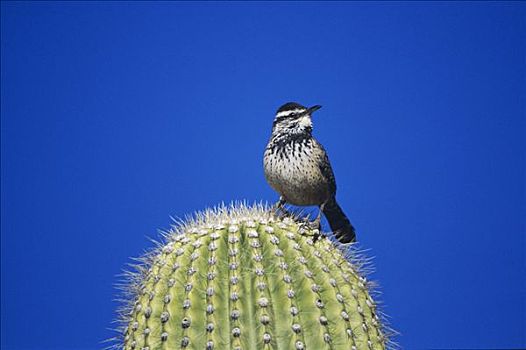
(242, 278)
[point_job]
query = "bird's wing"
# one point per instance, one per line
(326, 169)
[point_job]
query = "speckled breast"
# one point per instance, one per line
(293, 171)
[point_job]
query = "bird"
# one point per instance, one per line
(297, 167)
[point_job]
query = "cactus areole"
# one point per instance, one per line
(243, 278)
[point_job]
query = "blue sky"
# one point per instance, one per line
(116, 116)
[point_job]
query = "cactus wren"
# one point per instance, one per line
(297, 167)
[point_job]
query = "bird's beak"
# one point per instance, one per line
(313, 109)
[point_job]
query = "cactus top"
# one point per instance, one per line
(241, 278)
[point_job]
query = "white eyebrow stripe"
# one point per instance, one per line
(289, 112)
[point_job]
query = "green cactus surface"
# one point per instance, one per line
(244, 278)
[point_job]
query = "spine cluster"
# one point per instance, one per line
(244, 279)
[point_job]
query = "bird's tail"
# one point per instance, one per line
(340, 225)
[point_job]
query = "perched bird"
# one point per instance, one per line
(297, 167)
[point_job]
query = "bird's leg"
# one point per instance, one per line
(317, 222)
(280, 206)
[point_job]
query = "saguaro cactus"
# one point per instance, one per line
(242, 278)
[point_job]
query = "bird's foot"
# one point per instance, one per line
(312, 224)
(317, 236)
(313, 227)
(316, 227)
(282, 214)
(279, 209)
(316, 224)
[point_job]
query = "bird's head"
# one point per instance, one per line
(293, 118)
